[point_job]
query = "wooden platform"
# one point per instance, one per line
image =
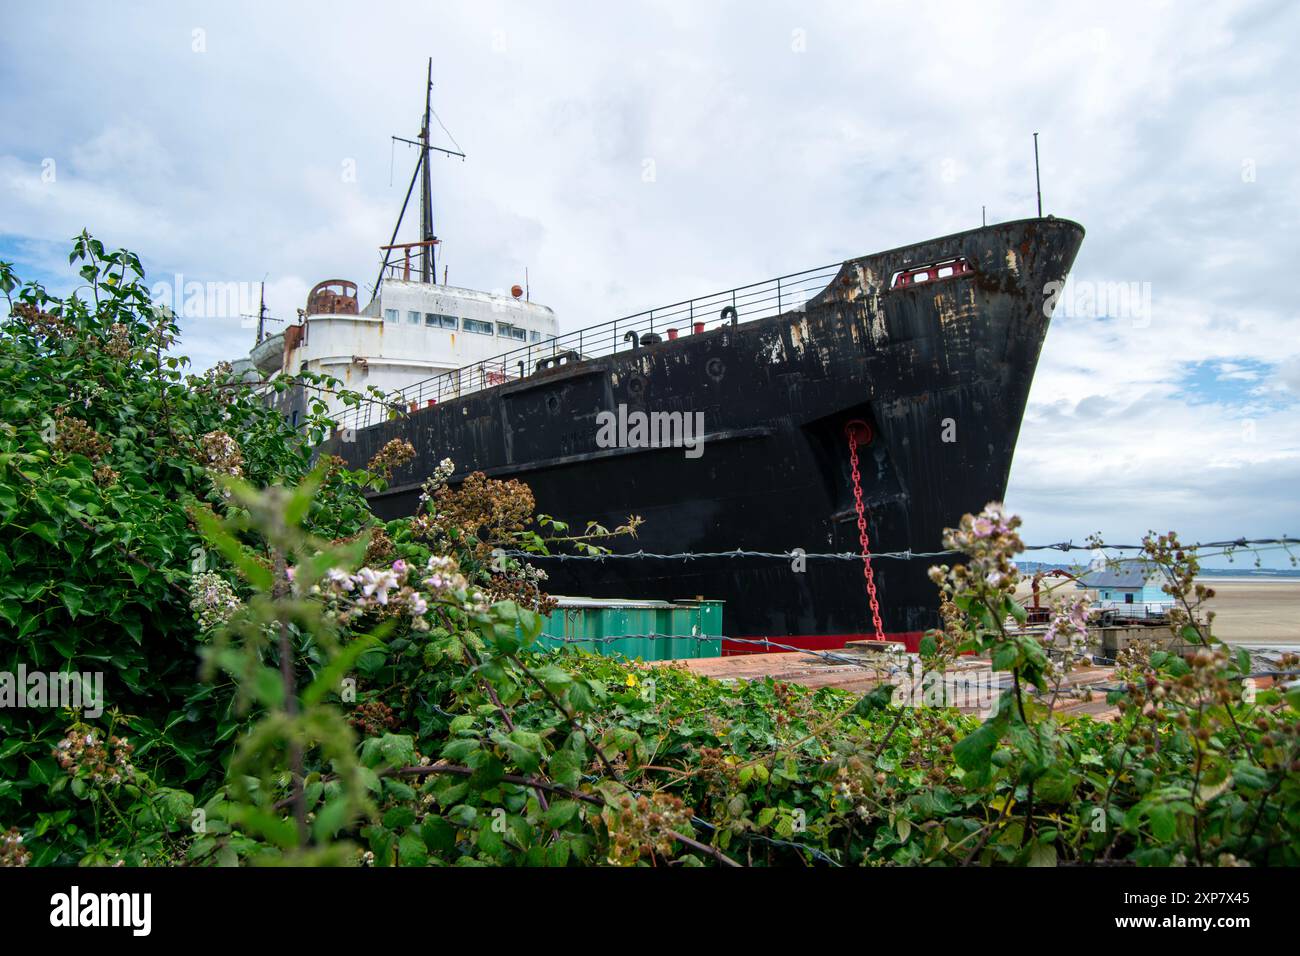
(872, 670)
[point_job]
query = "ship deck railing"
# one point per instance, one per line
(759, 300)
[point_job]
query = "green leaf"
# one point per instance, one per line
(555, 678)
(399, 817)
(619, 739)
(268, 687)
(331, 676)
(1163, 822)
(1005, 656)
(974, 752)
(45, 531)
(438, 835)
(560, 813)
(411, 850)
(331, 818)
(398, 750)
(215, 531)
(878, 699)
(301, 497)
(565, 768)
(1042, 854)
(1017, 611)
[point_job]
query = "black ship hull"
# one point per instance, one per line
(939, 369)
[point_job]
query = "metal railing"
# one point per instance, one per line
(755, 301)
(1138, 611)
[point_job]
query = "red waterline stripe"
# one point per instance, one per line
(816, 642)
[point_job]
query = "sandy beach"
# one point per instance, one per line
(1247, 610)
(1256, 612)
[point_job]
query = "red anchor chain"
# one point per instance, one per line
(857, 431)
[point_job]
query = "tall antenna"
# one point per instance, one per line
(262, 317)
(261, 314)
(1038, 183)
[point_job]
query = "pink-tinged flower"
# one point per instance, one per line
(419, 607)
(339, 579)
(376, 584)
(399, 568)
(1069, 624)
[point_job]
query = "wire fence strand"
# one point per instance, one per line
(1222, 547)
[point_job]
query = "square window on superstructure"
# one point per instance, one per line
(431, 320)
(413, 318)
(506, 330)
(449, 322)
(392, 315)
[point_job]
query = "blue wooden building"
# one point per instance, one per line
(1128, 584)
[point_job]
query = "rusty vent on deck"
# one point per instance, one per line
(333, 297)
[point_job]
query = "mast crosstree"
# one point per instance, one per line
(428, 241)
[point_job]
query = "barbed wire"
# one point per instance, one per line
(1221, 547)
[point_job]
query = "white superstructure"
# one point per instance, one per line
(413, 330)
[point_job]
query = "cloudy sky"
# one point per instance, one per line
(242, 142)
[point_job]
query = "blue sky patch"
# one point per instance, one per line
(1236, 381)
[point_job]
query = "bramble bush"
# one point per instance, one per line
(290, 680)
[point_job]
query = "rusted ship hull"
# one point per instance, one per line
(939, 369)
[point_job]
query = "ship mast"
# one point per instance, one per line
(262, 317)
(428, 266)
(428, 241)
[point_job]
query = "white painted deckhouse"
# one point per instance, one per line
(409, 332)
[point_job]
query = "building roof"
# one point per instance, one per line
(1125, 574)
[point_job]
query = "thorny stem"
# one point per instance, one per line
(1196, 783)
(279, 589)
(610, 769)
(510, 726)
(537, 784)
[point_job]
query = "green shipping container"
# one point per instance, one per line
(626, 627)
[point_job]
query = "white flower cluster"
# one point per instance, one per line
(1068, 630)
(436, 481)
(12, 852)
(223, 454)
(395, 590)
(212, 600)
(100, 762)
(989, 540)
